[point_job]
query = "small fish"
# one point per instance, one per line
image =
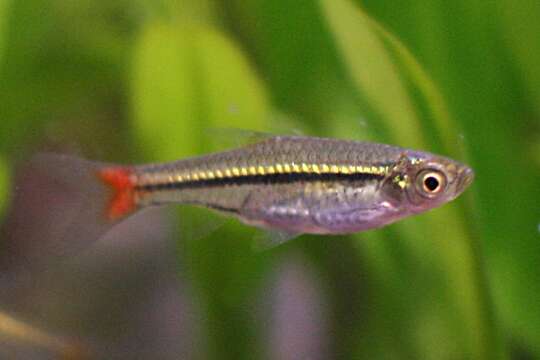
(294, 184)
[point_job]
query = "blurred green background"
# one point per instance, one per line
(136, 81)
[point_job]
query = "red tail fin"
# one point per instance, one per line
(120, 179)
(62, 205)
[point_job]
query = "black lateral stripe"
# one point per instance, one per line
(268, 179)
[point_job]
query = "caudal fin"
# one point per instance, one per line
(63, 204)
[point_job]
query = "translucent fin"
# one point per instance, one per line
(63, 204)
(265, 239)
(228, 138)
(197, 223)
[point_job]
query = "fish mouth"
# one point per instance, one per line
(466, 177)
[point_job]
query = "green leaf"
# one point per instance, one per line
(187, 79)
(233, 95)
(440, 116)
(520, 24)
(454, 262)
(373, 71)
(164, 91)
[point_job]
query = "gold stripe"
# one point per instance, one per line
(279, 168)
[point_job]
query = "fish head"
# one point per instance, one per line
(425, 181)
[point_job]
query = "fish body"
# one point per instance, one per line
(296, 184)
(286, 184)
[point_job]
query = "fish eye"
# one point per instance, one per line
(431, 182)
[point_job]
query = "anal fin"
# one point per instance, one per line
(266, 239)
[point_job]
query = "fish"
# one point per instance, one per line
(289, 184)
